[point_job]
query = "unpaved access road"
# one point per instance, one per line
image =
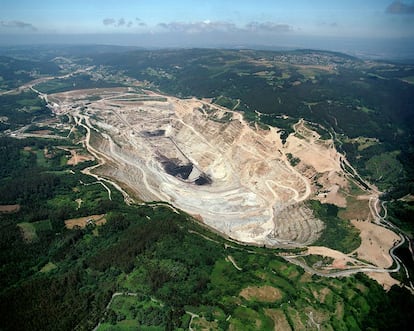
(208, 161)
(235, 177)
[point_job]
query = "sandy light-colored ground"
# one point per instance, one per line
(41, 132)
(263, 293)
(9, 208)
(77, 157)
(376, 241)
(340, 260)
(384, 279)
(253, 193)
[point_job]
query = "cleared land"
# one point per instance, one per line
(262, 294)
(77, 156)
(384, 279)
(279, 318)
(376, 242)
(84, 221)
(208, 161)
(9, 208)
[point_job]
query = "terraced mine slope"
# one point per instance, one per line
(207, 161)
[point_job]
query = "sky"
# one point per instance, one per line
(346, 25)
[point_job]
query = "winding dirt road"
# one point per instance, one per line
(123, 123)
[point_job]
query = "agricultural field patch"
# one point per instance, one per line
(9, 208)
(82, 222)
(28, 231)
(261, 294)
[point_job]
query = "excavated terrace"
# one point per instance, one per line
(207, 161)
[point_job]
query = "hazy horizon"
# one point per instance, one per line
(372, 28)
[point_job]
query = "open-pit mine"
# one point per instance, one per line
(233, 176)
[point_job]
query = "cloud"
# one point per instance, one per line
(198, 27)
(268, 27)
(117, 22)
(109, 21)
(221, 26)
(140, 23)
(17, 25)
(400, 8)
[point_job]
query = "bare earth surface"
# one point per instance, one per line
(9, 208)
(376, 242)
(263, 294)
(340, 259)
(76, 157)
(236, 178)
(279, 318)
(83, 221)
(207, 161)
(384, 279)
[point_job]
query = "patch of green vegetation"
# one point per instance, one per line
(285, 75)
(48, 267)
(75, 82)
(366, 110)
(288, 271)
(21, 109)
(401, 213)
(40, 159)
(338, 234)
(134, 310)
(248, 319)
(317, 261)
(226, 102)
(42, 226)
(385, 169)
(29, 231)
(15, 72)
(294, 161)
(365, 142)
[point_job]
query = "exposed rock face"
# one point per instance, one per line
(209, 162)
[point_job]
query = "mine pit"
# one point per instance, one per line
(208, 161)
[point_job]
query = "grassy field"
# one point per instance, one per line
(28, 231)
(339, 234)
(48, 267)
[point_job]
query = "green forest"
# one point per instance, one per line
(162, 265)
(150, 268)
